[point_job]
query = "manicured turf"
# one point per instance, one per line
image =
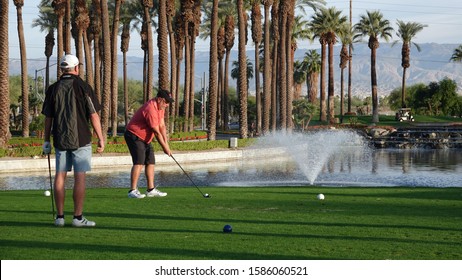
(268, 223)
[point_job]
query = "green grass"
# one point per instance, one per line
(268, 223)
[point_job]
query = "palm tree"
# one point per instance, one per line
(282, 63)
(274, 67)
(24, 78)
(94, 34)
(106, 64)
(47, 21)
(256, 38)
(221, 51)
(81, 22)
(67, 26)
(193, 33)
(148, 47)
(312, 65)
(229, 43)
(162, 44)
(375, 26)
(249, 71)
(242, 80)
(299, 78)
(4, 86)
(213, 89)
(59, 7)
(457, 54)
(406, 32)
(179, 42)
(334, 22)
(319, 26)
(124, 46)
(313, 4)
(187, 14)
(346, 37)
(114, 66)
(266, 69)
(170, 19)
(350, 66)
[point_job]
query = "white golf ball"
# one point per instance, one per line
(47, 193)
(320, 196)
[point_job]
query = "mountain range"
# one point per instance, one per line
(431, 64)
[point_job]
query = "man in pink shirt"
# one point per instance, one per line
(147, 123)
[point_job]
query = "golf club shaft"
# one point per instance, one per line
(51, 188)
(188, 176)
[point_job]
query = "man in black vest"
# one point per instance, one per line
(70, 104)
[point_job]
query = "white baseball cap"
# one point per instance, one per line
(68, 61)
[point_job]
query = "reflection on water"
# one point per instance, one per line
(430, 168)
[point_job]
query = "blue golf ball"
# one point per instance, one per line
(227, 229)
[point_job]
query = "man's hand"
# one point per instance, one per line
(167, 151)
(100, 147)
(46, 147)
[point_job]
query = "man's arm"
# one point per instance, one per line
(161, 135)
(96, 123)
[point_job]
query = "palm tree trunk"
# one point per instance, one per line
(67, 30)
(150, 49)
(331, 83)
(282, 69)
(403, 89)
(220, 117)
(162, 43)
(322, 103)
(125, 85)
(212, 117)
(274, 75)
(375, 109)
(257, 89)
(266, 73)
(106, 90)
(88, 60)
(172, 108)
(114, 67)
(24, 75)
(313, 87)
(60, 9)
(178, 78)
(350, 49)
(4, 85)
(191, 86)
(242, 80)
(187, 84)
(225, 91)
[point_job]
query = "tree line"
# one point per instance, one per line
(96, 27)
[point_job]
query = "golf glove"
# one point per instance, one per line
(46, 147)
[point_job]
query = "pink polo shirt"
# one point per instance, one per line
(147, 117)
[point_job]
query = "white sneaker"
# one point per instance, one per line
(135, 194)
(155, 193)
(83, 223)
(59, 222)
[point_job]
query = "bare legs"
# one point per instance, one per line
(135, 174)
(78, 193)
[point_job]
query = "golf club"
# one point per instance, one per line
(204, 195)
(51, 188)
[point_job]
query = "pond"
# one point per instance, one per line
(382, 167)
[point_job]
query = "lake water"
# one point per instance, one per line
(382, 167)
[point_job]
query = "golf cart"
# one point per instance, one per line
(404, 114)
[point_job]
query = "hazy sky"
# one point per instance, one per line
(444, 20)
